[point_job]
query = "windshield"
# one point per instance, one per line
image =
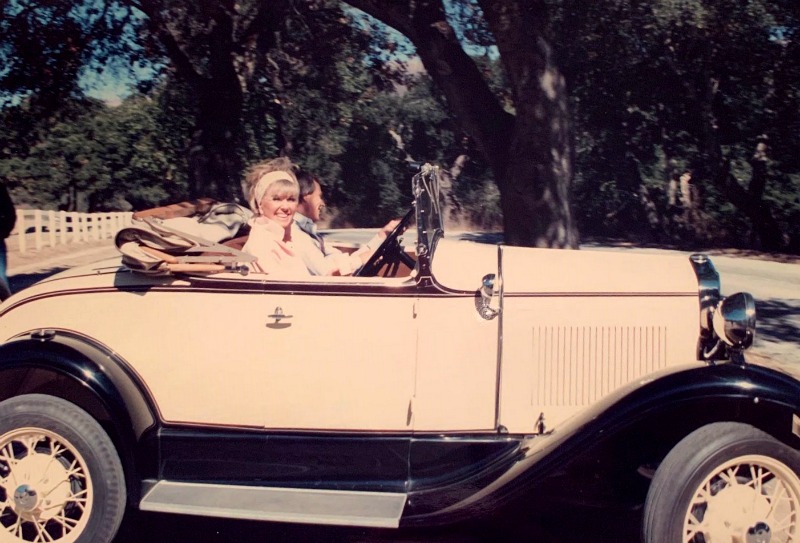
(425, 188)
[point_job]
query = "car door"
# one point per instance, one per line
(338, 353)
(457, 369)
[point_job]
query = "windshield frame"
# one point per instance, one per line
(427, 203)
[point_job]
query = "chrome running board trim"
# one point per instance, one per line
(310, 506)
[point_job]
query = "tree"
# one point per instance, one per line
(99, 158)
(527, 142)
(695, 84)
(222, 50)
(704, 46)
(654, 86)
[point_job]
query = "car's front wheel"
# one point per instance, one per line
(61, 479)
(725, 482)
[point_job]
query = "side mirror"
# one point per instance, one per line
(490, 297)
(734, 320)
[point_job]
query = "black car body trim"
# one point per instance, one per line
(98, 368)
(334, 461)
(655, 413)
(74, 367)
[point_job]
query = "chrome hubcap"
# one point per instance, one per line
(25, 499)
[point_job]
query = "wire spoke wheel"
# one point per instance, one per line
(45, 489)
(750, 498)
(726, 482)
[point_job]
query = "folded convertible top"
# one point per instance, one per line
(196, 236)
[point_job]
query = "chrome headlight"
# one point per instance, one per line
(727, 325)
(734, 320)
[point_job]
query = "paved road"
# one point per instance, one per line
(776, 287)
(564, 525)
(24, 269)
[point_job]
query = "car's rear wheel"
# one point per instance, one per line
(60, 477)
(725, 482)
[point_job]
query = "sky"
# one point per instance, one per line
(110, 89)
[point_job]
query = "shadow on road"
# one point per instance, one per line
(24, 280)
(559, 525)
(777, 320)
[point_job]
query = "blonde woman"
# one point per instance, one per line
(273, 194)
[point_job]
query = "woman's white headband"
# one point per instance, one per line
(266, 180)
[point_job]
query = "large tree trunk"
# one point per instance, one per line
(214, 164)
(534, 185)
(530, 151)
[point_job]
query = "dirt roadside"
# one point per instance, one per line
(71, 254)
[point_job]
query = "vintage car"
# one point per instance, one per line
(446, 381)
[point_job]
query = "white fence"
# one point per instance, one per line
(38, 228)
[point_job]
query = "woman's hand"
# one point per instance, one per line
(271, 227)
(388, 228)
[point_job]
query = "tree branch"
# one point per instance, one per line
(159, 27)
(467, 92)
(394, 14)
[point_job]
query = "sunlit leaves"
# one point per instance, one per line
(48, 46)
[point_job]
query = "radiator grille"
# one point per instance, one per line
(578, 365)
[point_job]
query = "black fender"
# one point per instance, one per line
(85, 372)
(636, 425)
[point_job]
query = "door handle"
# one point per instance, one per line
(279, 315)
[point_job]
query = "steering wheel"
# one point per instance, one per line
(390, 253)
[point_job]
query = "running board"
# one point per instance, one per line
(334, 507)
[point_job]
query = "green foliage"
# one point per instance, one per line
(48, 46)
(363, 157)
(659, 87)
(656, 88)
(102, 159)
(346, 114)
(372, 179)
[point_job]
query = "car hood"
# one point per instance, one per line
(461, 265)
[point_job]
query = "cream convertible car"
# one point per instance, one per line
(433, 387)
